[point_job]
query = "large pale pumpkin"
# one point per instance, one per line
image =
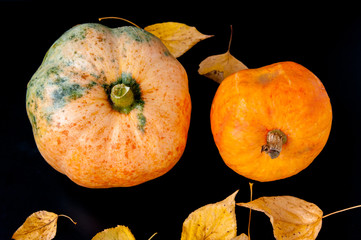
(109, 107)
(270, 123)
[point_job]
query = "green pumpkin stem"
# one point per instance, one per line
(121, 96)
(275, 139)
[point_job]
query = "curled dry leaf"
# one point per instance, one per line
(177, 37)
(39, 225)
(292, 218)
(218, 67)
(116, 233)
(213, 221)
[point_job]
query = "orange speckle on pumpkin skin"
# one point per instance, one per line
(65, 132)
(84, 76)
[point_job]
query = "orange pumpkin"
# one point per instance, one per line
(270, 123)
(109, 107)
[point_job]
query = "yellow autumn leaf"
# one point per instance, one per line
(177, 37)
(292, 218)
(212, 222)
(39, 225)
(116, 233)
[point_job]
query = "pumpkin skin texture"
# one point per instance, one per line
(283, 97)
(79, 130)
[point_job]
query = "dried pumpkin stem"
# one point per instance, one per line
(121, 96)
(275, 139)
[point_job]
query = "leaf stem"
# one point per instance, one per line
(62, 215)
(125, 20)
(152, 236)
(230, 40)
(343, 210)
(250, 212)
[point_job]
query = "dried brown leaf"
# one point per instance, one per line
(218, 67)
(292, 218)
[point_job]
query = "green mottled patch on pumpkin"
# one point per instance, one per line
(78, 35)
(38, 82)
(95, 75)
(66, 92)
(135, 33)
(63, 95)
(31, 108)
(62, 91)
(90, 85)
(167, 53)
(33, 121)
(141, 121)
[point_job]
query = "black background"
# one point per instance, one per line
(324, 38)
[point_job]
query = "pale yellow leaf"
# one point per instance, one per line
(40, 225)
(292, 218)
(241, 237)
(212, 222)
(177, 37)
(218, 67)
(116, 233)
